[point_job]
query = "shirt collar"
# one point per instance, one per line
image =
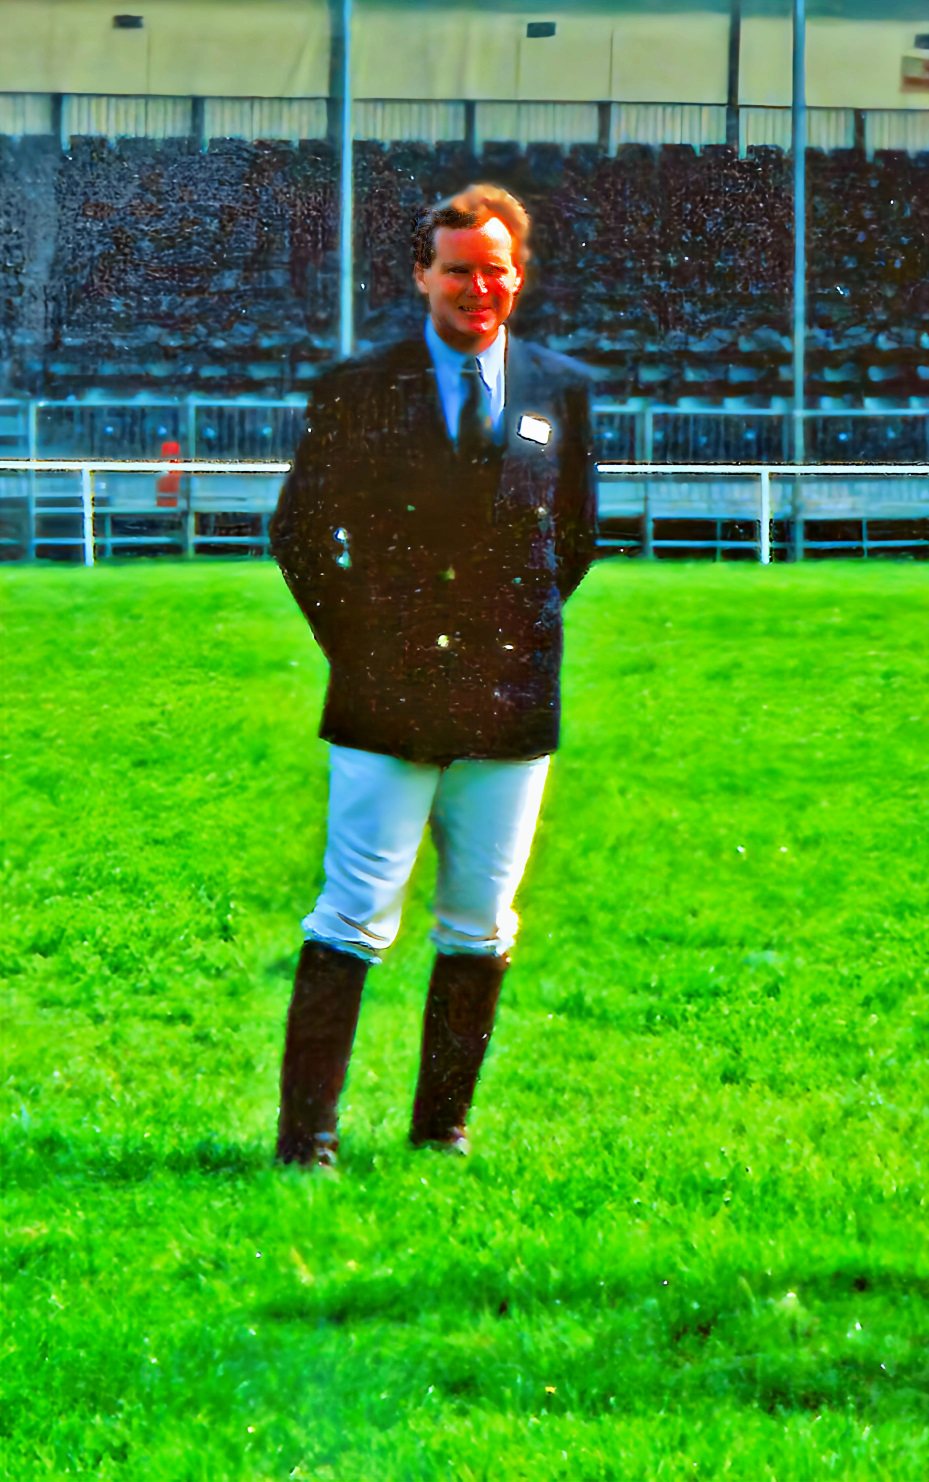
(445, 358)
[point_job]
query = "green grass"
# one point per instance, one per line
(692, 1239)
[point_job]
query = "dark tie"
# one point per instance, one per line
(475, 432)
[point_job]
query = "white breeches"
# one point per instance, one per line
(482, 815)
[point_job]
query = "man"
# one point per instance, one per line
(440, 510)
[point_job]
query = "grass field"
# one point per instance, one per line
(693, 1239)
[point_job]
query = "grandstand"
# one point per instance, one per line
(171, 263)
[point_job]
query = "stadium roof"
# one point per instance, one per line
(852, 10)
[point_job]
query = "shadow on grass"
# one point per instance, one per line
(472, 1326)
(622, 1359)
(483, 1285)
(29, 1160)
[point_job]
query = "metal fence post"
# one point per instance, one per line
(648, 439)
(32, 433)
(764, 523)
(799, 520)
(796, 509)
(87, 508)
(191, 521)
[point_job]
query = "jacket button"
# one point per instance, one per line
(443, 640)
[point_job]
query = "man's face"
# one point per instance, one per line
(471, 283)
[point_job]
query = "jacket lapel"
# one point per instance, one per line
(423, 416)
(522, 394)
(516, 373)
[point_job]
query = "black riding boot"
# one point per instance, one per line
(320, 1031)
(457, 1025)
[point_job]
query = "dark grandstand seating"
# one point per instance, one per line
(150, 266)
(28, 219)
(171, 271)
(869, 267)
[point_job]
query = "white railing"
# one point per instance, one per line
(755, 493)
(760, 494)
(155, 506)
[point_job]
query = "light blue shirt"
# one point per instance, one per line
(448, 368)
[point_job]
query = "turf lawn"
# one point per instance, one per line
(693, 1238)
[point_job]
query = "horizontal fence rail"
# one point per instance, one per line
(781, 510)
(185, 506)
(142, 465)
(205, 506)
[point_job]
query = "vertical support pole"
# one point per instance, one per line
(198, 125)
(798, 143)
(32, 434)
(860, 139)
(470, 128)
(340, 86)
(604, 126)
(648, 449)
(764, 521)
(87, 509)
(732, 95)
(191, 517)
(59, 122)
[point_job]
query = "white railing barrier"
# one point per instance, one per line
(89, 468)
(794, 510)
(764, 520)
(762, 514)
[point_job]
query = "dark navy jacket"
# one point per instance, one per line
(435, 589)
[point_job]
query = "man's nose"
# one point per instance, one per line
(478, 283)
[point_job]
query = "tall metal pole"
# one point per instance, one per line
(798, 141)
(732, 90)
(346, 256)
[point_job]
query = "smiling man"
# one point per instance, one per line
(440, 511)
(471, 282)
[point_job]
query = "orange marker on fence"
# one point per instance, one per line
(168, 485)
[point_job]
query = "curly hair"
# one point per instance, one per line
(472, 207)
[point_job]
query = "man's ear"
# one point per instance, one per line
(419, 273)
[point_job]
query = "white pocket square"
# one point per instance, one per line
(536, 429)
